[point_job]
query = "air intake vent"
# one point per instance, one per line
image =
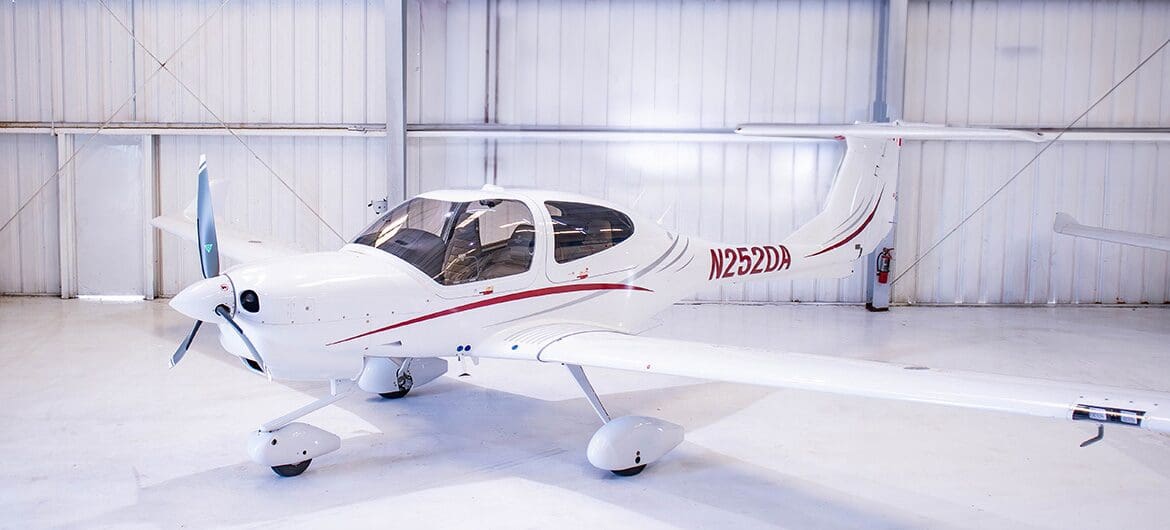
(250, 301)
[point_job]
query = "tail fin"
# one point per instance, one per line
(855, 219)
(858, 213)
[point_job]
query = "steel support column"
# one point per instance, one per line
(66, 218)
(887, 106)
(395, 101)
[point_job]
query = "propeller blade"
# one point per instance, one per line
(179, 353)
(226, 314)
(205, 221)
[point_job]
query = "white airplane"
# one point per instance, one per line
(561, 278)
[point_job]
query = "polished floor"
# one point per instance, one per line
(96, 431)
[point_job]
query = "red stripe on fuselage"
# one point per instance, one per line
(501, 299)
(855, 232)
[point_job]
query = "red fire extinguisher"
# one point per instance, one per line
(883, 265)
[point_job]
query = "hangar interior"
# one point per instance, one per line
(315, 112)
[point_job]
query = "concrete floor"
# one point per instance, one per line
(98, 432)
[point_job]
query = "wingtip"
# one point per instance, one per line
(1062, 221)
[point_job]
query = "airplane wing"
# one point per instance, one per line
(236, 245)
(586, 346)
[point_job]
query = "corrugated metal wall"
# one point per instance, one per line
(256, 61)
(1034, 63)
(266, 62)
(29, 246)
(684, 64)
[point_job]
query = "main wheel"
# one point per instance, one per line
(628, 472)
(292, 470)
(394, 395)
(405, 383)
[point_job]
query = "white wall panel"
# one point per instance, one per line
(337, 177)
(683, 64)
(1007, 253)
(446, 47)
(266, 62)
(1034, 63)
(645, 64)
(29, 249)
(1024, 64)
(254, 61)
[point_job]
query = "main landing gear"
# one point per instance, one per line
(404, 382)
(624, 446)
(393, 377)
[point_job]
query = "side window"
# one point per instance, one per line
(581, 230)
(490, 239)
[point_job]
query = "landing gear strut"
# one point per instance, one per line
(624, 446)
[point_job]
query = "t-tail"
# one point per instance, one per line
(856, 217)
(859, 211)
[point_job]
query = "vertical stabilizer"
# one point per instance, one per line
(856, 217)
(859, 211)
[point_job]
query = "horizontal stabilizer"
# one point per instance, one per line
(236, 245)
(1067, 225)
(897, 129)
(931, 131)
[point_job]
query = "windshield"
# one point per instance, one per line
(457, 242)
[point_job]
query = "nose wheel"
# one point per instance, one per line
(628, 472)
(292, 470)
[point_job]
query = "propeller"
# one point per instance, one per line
(214, 290)
(179, 353)
(205, 223)
(223, 311)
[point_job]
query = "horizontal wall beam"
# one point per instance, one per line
(518, 132)
(595, 134)
(195, 129)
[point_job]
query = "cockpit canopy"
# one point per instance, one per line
(457, 242)
(461, 242)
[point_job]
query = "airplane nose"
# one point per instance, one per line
(200, 299)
